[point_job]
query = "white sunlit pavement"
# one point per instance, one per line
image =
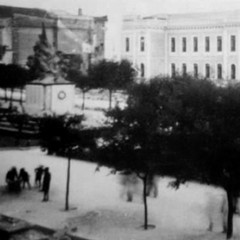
(101, 213)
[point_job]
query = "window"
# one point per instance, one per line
(207, 44)
(184, 44)
(219, 71)
(173, 70)
(173, 47)
(142, 67)
(195, 70)
(195, 44)
(142, 44)
(219, 43)
(207, 71)
(127, 48)
(184, 69)
(233, 71)
(233, 43)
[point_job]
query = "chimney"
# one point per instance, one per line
(79, 12)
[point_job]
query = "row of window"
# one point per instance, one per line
(185, 45)
(142, 44)
(207, 44)
(207, 70)
(142, 70)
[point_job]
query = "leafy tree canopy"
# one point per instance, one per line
(140, 132)
(13, 76)
(58, 134)
(184, 127)
(112, 75)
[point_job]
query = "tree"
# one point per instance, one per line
(82, 81)
(18, 121)
(62, 135)
(3, 82)
(18, 77)
(13, 76)
(206, 137)
(3, 49)
(112, 76)
(182, 127)
(138, 136)
(126, 74)
(58, 134)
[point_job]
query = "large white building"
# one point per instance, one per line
(201, 44)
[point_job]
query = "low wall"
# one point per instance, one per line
(17, 229)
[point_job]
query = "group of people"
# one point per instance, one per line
(130, 184)
(44, 184)
(17, 181)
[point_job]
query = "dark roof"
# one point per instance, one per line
(21, 20)
(101, 19)
(8, 11)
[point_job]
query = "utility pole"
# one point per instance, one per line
(68, 179)
(69, 155)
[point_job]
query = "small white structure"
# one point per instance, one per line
(51, 96)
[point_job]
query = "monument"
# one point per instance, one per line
(50, 93)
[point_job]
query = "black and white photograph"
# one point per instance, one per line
(119, 119)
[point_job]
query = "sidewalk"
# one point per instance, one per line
(100, 212)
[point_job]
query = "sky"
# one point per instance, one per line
(115, 9)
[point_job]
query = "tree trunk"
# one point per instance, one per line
(110, 99)
(11, 98)
(21, 96)
(68, 183)
(5, 94)
(145, 202)
(230, 213)
(21, 100)
(83, 100)
(20, 129)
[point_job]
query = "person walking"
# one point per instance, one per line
(38, 176)
(24, 178)
(152, 188)
(46, 184)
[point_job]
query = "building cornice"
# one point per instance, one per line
(143, 27)
(203, 26)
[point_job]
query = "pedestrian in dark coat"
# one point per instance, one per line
(46, 184)
(38, 176)
(12, 175)
(24, 178)
(12, 180)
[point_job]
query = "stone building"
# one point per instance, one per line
(71, 34)
(201, 44)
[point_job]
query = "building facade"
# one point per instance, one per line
(71, 34)
(202, 44)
